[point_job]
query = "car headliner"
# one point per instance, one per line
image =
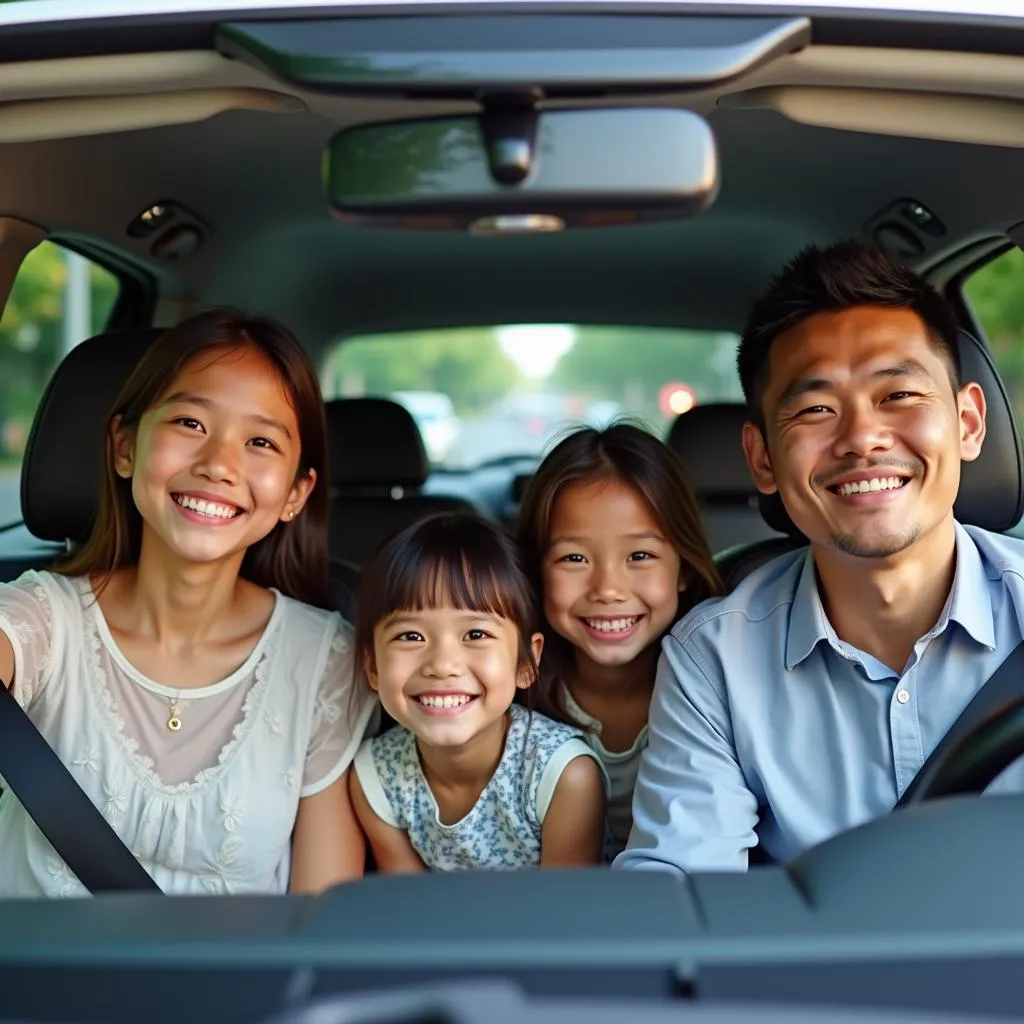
(253, 176)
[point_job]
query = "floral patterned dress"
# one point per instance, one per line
(503, 829)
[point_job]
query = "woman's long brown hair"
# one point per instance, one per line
(293, 556)
(628, 453)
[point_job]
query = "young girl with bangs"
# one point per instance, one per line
(178, 663)
(447, 632)
(612, 538)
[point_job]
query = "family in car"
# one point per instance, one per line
(587, 692)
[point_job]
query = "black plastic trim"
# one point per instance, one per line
(136, 297)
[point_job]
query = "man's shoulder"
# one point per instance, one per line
(759, 598)
(1002, 556)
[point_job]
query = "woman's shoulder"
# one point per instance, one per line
(44, 586)
(307, 642)
(305, 623)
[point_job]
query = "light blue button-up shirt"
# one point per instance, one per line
(765, 726)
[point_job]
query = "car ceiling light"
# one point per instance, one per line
(517, 224)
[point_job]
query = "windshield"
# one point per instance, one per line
(485, 394)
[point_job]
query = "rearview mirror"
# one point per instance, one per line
(513, 170)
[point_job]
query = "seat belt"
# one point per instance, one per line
(61, 809)
(998, 696)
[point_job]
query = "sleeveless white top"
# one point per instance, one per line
(209, 808)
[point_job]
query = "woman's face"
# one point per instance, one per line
(214, 464)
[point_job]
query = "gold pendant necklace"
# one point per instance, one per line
(173, 714)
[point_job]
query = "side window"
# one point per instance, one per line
(59, 299)
(995, 295)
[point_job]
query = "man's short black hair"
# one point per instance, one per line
(842, 276)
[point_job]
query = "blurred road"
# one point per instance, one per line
(486, 438)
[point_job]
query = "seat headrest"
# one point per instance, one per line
(708, 440)
(991, 492)
(63, 464)
(374, 442)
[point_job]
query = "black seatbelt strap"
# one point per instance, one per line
(61, 809)
(998, 695)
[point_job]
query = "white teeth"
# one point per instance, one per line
(877, 483)
(613, 625)
(449, 700)
(207, 508)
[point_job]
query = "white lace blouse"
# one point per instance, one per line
(208, 808)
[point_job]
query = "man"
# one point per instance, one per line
(804, 703)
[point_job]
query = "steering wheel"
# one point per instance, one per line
(972, 763)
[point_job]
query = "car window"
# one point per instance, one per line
(491, 393)
(59, 298)
(995, 295)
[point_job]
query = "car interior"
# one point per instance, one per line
(376, 488)
(184, 149)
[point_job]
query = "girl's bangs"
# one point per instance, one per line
(453, 578)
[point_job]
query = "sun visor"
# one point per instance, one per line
(65, 118)
(976, 120)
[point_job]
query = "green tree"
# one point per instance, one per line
(995, 294)
(629, 365)
(467, 364)
(31, 336)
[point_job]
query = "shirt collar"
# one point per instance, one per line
(969, 604)
(808, 625)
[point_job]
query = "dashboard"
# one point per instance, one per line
(921, 910)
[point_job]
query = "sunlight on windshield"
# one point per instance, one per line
(486, 393)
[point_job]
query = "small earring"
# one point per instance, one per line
(291, 515)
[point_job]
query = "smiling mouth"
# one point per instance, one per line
(209, 509)
(612, 626)
(444, 702)
(876, 483)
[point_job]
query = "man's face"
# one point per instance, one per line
(864, 434)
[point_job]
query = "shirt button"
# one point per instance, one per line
(902, 696)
